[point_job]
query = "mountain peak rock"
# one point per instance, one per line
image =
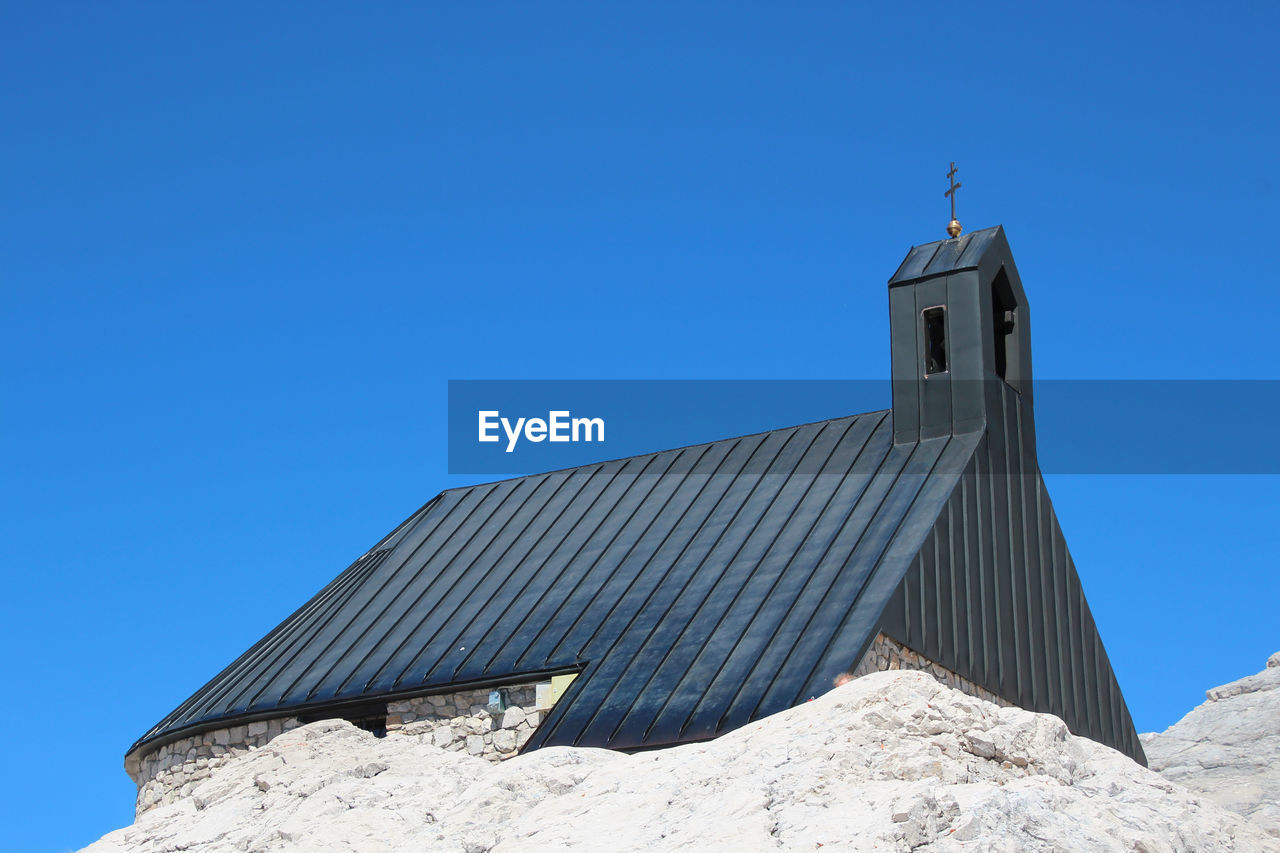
(892, 760)
(1228, 748)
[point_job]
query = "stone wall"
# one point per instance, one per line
(171, 771)
(459, 721)
(464, 721)
(886, 653)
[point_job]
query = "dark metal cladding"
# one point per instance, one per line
(994, 596)
(698, 589)
(694, 590)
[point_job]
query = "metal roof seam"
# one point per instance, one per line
(893, 453)
(860, 486)
(722, 528)
(696, 574)
(782, 571)
(951, 446)
(587, 572)
(573, 558)
(876, 565)
(412, 521)
(417, 574)
(624, 560)
(294, 629)
(360, 637)
(538, 565)
(499, 493)
(378, 593)
(395, 683)
(318, 620)
(516, 565)
(372, 594)
(317, 625)
(589, 642)
(726, 610)
(580, 651)
(425, 677)
(724, 571)
(753, 597)
(462, 600)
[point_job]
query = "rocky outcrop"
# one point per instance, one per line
(891, 761)
(1228, 748)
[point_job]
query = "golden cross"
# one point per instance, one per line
(951, 176)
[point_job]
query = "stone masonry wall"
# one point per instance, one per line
(886, 653)
(462, 721)
(458, 721)
(455, 721)
(171, 771)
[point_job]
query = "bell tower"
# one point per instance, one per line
(960, 336)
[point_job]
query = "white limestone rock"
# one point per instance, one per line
(893, 761)
(1228, 748)
(512, 717)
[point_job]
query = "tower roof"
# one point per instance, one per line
(946, 256)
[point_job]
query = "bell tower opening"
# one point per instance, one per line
(1004, 314)
(935, 340)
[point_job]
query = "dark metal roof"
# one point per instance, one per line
(695, 589)
(945, 256)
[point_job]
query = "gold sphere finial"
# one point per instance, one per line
(953, 228)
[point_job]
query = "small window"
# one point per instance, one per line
(935, 340)
(1004, 314)
(375, 724)
(371, 717)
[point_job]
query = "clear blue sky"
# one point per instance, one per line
(244, 246)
